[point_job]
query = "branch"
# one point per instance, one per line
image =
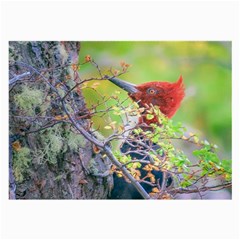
(201, 189)
(41, 75)
(18, 77)
(108, 152)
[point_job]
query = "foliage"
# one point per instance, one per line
(169, 158)
(212, 165)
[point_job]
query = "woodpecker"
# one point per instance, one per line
(167, 97)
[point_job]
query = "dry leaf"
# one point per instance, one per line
(16, 146)
(74, 67)
(155, 190)
(88, 58)
(83, 181)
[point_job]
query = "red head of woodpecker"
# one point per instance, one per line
(167, 96)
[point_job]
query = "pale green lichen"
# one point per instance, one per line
(71, 83)
(92, 166)
(61, 92)
(21, 161)
(45, 106)
(52, 142)
(75, 141)
(55, 142)
(28, 99)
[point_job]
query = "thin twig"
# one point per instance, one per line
(200, 189)
(18, 77)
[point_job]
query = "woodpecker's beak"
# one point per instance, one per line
(128, 87)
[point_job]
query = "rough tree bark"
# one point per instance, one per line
(74, 168)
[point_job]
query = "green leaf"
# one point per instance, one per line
(149, 116)
(129, 165)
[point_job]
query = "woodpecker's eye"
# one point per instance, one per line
(151, 91)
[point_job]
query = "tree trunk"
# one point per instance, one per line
(38, 169)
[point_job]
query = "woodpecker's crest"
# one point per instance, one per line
(167, 96)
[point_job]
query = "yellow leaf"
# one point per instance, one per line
(180, 169)
(137, 177)
(155, 168)
(119, 174)
(135, 104)
(155, 190)
(196, 140)
(135, 165)
(108, 127)
(58, 117)
(152, 179)
(166, 196)
(149, 174)
(150, 111)
(120, 128)
(112, 123)
(147, 168)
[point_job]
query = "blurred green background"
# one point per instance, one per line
(206, 70)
